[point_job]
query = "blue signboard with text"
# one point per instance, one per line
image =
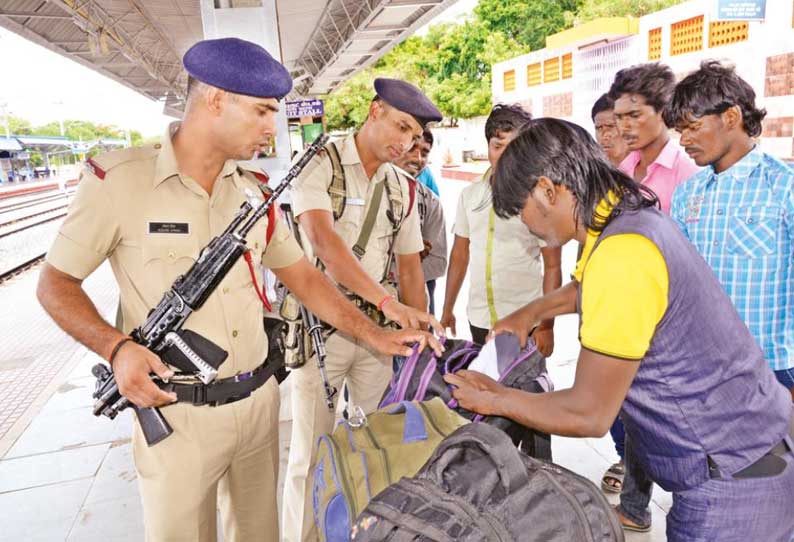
(305, 108)
(741, 10)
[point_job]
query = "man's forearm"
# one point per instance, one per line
(458, 264)
(412, 281)
(552, 277)
(560, 301)
(554, 413)
(64, 299)
(321, 297)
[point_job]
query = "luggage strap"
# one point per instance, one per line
(226, 390)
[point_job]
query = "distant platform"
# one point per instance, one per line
(467, 171)
(20, 188)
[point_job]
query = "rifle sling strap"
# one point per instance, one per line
(226, 390)
(360, 248)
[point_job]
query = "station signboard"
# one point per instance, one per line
(305, 108)
(740, 10)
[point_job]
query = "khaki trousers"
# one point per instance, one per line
(227, 456)
(367, 374)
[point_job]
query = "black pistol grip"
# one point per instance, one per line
(154, 426)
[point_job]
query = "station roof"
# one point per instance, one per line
(9, 144)
(140, 43)
(31, 141)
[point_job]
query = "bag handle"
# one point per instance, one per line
(493, 442)
(415, 429)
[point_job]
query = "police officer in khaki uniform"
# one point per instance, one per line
(150, 210)
(396, 120)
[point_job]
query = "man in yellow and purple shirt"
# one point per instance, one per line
(641, 93)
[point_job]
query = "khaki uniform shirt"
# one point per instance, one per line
(151, 222)
(310, 192)
(516, 269)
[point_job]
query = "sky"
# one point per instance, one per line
(42, 86)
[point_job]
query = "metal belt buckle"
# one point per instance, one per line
(199, 395)
(358, 419)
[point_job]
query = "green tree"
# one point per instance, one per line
(347, 107)
(17, 126)
(527, 21)
(593, 9)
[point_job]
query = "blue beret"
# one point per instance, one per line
(238, 66)
(408, 99)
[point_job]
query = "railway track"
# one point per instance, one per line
(16, 270)
(34, 215)
(31, 202)
(33, 225)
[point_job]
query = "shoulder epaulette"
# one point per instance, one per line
(256, 175)
(101, 164)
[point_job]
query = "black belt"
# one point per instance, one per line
(770, 464)
(226, 390)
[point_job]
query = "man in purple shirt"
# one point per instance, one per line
(641, 93)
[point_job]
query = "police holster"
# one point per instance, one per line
(297, 343)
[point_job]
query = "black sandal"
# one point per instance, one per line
(612, 481)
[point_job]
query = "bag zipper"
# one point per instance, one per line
(381, 451)
(346, 482)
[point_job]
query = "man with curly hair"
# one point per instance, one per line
(641, 94)
(739, 210)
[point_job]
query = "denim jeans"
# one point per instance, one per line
(619, 437)
(635, 496)
(786, 377)
(431, 298)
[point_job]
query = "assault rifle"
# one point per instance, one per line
(311, 323)
(162, 331)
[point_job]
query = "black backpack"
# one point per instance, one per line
(421, 378)
(477, 486)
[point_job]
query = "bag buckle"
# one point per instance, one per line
(358, 419)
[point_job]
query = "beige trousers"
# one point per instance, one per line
(227, 456)
(367, 374)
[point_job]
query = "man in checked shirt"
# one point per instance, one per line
(739, 211)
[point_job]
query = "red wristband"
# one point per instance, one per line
(384, 301)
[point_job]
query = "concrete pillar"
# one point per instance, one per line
(259, 25)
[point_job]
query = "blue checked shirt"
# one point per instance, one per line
(742, 223)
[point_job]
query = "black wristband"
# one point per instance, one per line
(116, 349)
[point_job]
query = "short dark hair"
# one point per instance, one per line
(192, 82)
(427, 135)
(505, 118)
(712, 90)
(604, 103)
(653, 81)
(565, 153)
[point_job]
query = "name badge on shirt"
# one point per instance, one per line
(169, 227)
(356, 201)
